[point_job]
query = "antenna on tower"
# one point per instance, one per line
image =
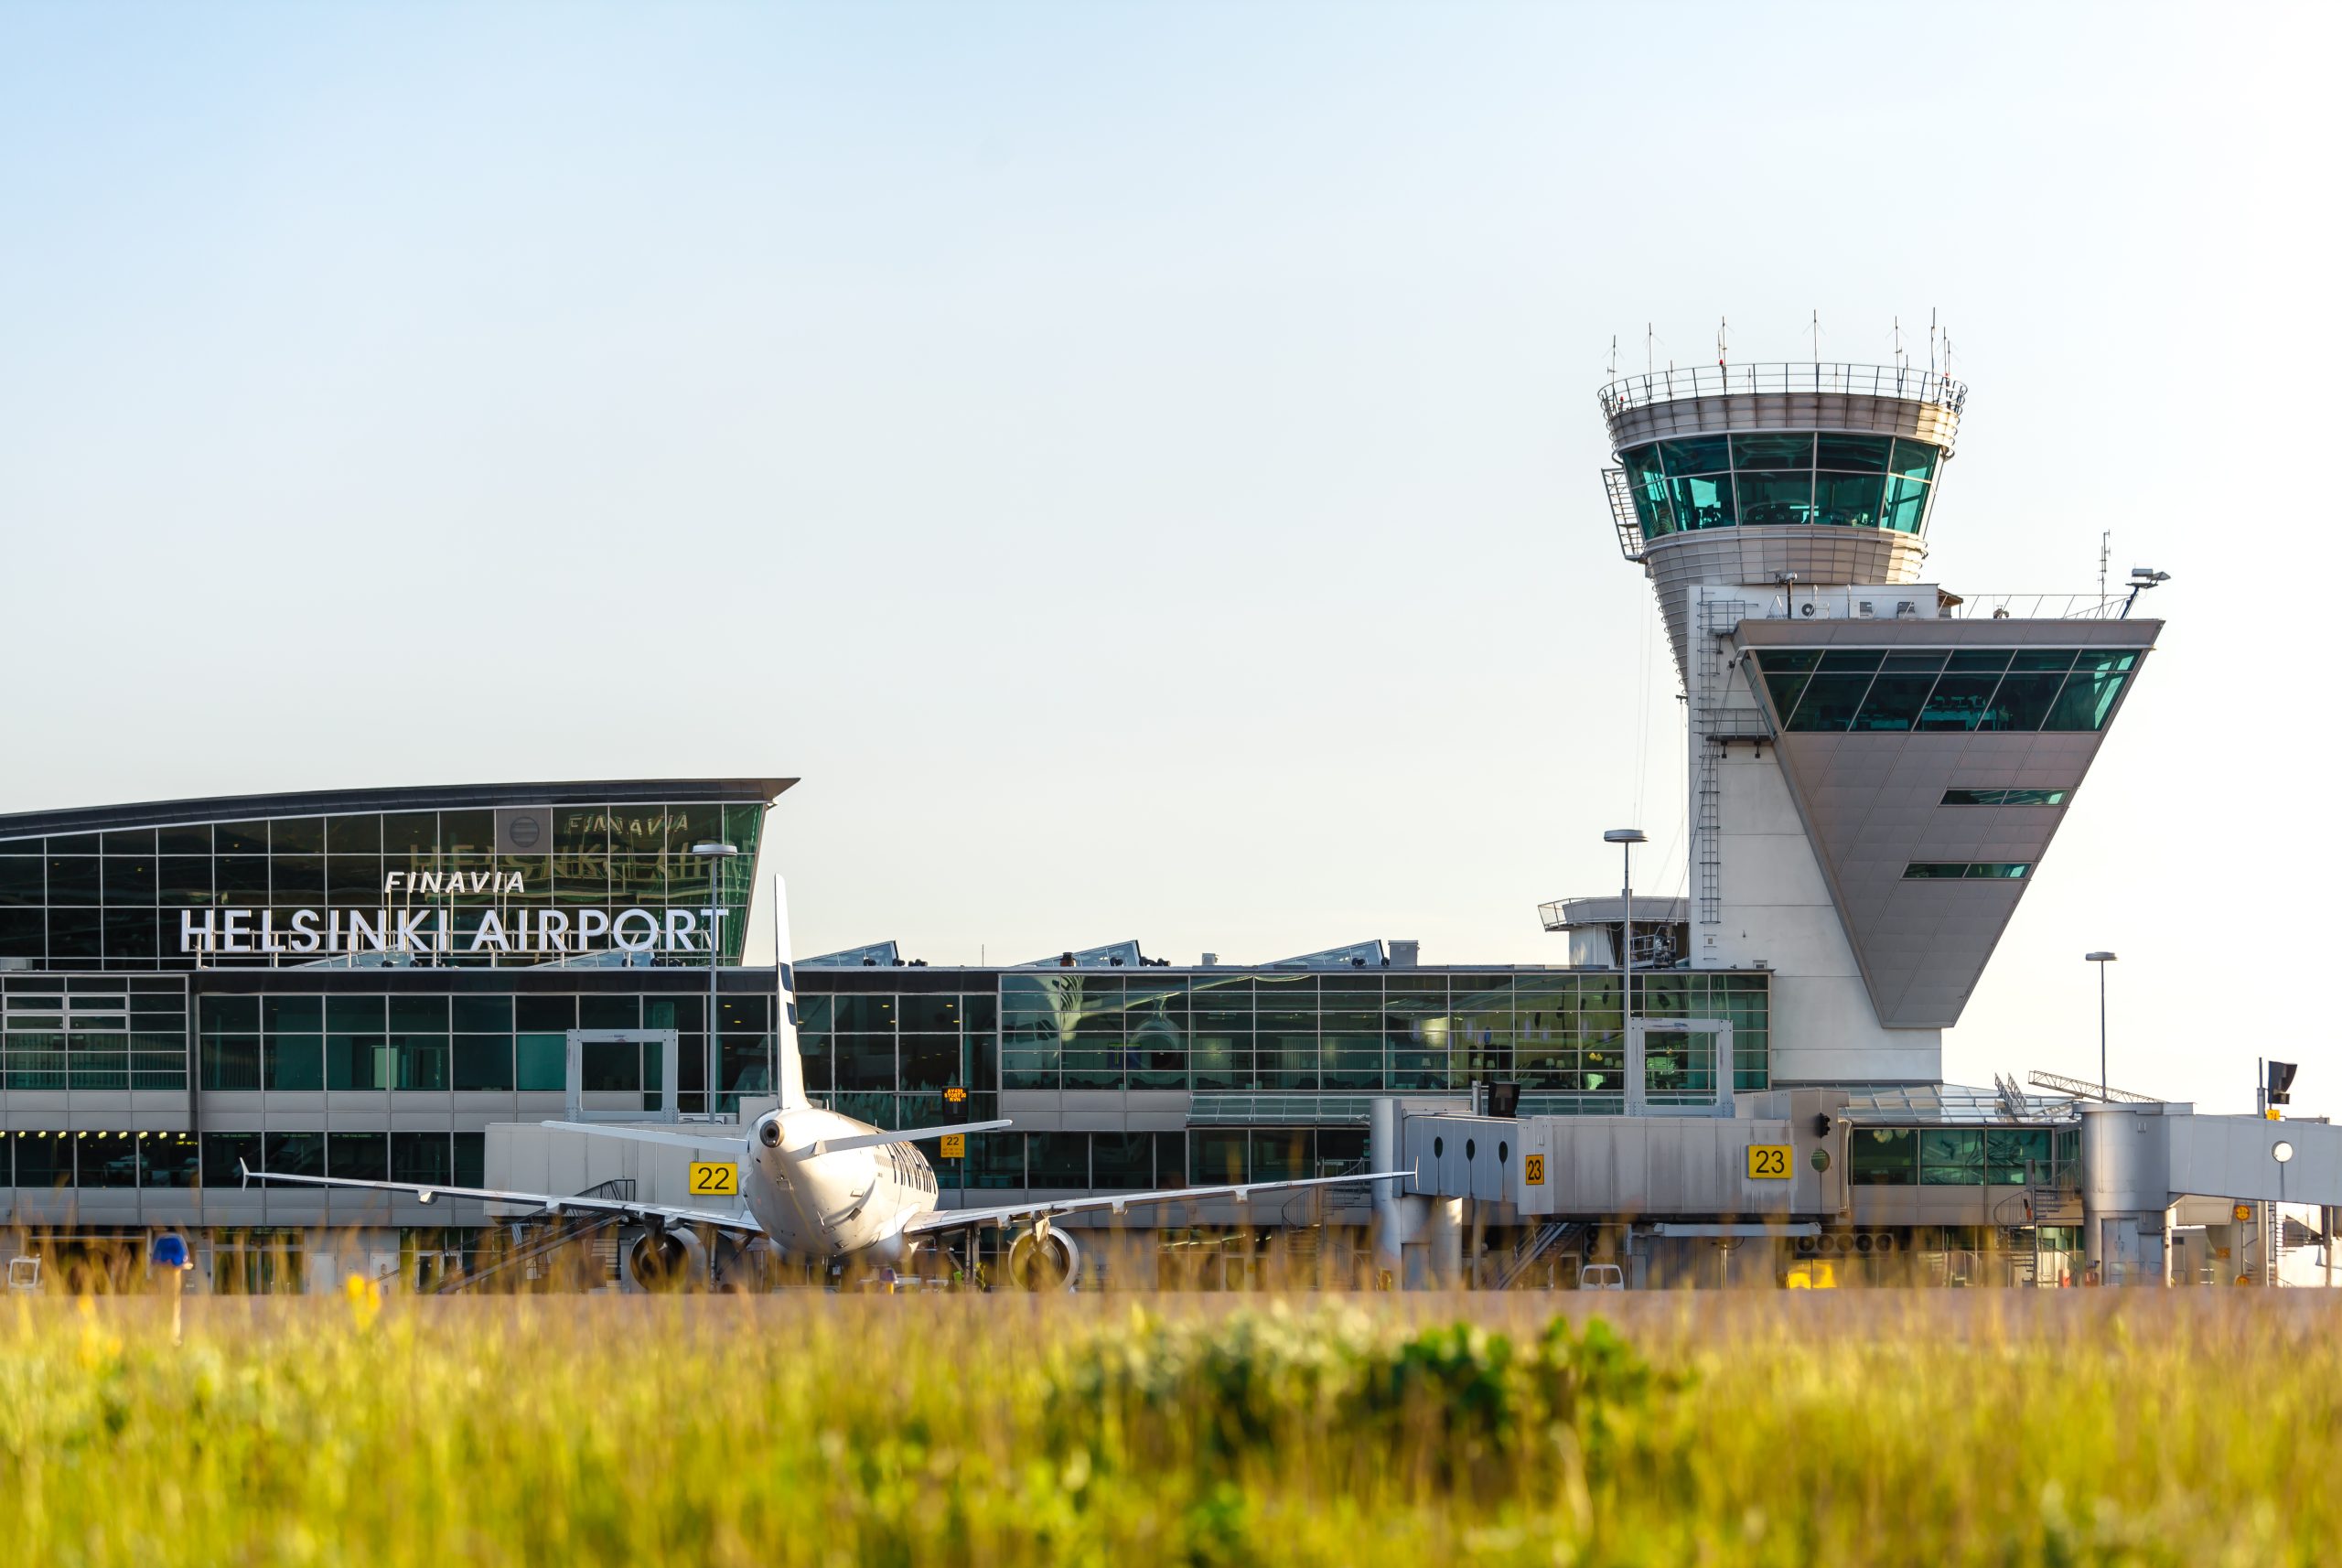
(1721, 325)
(1650, 349)
(1613, 356)
(1931, 340)
(2105, 551)
(1817, 336)
(1899, 363)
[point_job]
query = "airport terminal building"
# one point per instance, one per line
(362, 983)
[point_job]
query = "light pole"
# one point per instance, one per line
(2283, 1155)
(1627, 839)
(716, 853)
(2101, 959)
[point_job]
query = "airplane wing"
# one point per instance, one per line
(743, 1223)
(938, 1220)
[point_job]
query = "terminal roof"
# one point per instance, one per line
(398, 798)
(1952, 1105)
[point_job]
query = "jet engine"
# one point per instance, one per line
(1044, 1258)
(666, 1260)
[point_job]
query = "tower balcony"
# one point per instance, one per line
(1714, 400)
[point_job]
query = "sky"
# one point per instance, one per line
(1138, 465)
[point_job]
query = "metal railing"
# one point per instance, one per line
(2036, 607)
(1731, 381)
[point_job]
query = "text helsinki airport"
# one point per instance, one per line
(426, 931)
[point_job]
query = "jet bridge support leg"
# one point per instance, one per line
(2126, 1194)
(1401, 1219)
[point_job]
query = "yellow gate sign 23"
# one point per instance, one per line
(1532, 1170)
(715, 1178)
(1768, 1161)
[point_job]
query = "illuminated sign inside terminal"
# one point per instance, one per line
(428, 930)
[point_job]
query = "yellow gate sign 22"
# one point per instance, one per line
(1532, 1170)
(715, 1178)
(955, 1145)
(1768, 1161)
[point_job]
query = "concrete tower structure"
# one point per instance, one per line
(1877, 765)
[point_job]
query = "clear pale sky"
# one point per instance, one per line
(1138, 465)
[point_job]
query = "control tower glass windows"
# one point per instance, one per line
(1772, 479)
(1877, 690)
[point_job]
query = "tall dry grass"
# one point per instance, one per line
(2183, 1427)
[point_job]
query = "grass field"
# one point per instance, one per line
(2067, 1427)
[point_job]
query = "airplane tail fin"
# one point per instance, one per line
(792, 1066)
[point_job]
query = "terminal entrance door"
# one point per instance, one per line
(1679, 1067)
(622, 1075)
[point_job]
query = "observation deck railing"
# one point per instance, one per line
(1821, 376)
(2038, 607)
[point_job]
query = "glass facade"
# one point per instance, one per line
(487, 1042)
(885, 1055)
(437, 887)
(93, 1032)
(1873, 689)
(1962, 1156)
(98, 1159)
(403, 955)
(1770, 479)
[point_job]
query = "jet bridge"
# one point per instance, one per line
(1780, 1170)
(2140, 1159)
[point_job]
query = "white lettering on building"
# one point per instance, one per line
(433, 930)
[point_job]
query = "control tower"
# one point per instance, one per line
(1877, 765)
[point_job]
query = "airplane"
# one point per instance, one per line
(824, 1188)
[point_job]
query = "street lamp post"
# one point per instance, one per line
(1627, 839)
(716, 853)
(2101, 959)
(2283, 1155)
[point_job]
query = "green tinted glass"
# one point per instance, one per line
(2023, 701)
(2057, 659)
(1785, 690)
(2005, 797)
(1935, 870)
(1960, 702)
(1772, 450)
(1779, 658)
(1775, 498)
(1651, 510)
(1883, 1156)
(1848, 501)
(1709, 455)
(1831, 702)
(1915, 459)
(1704, 502)
(1981, 659)
(1642, 464)
(2086, 701)
(1894, 702)
(1853, 454)
(1906, 506)
(1851, 658)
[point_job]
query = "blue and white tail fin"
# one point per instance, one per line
(792, 1066)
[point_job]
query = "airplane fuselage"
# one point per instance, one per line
(826, 1205)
